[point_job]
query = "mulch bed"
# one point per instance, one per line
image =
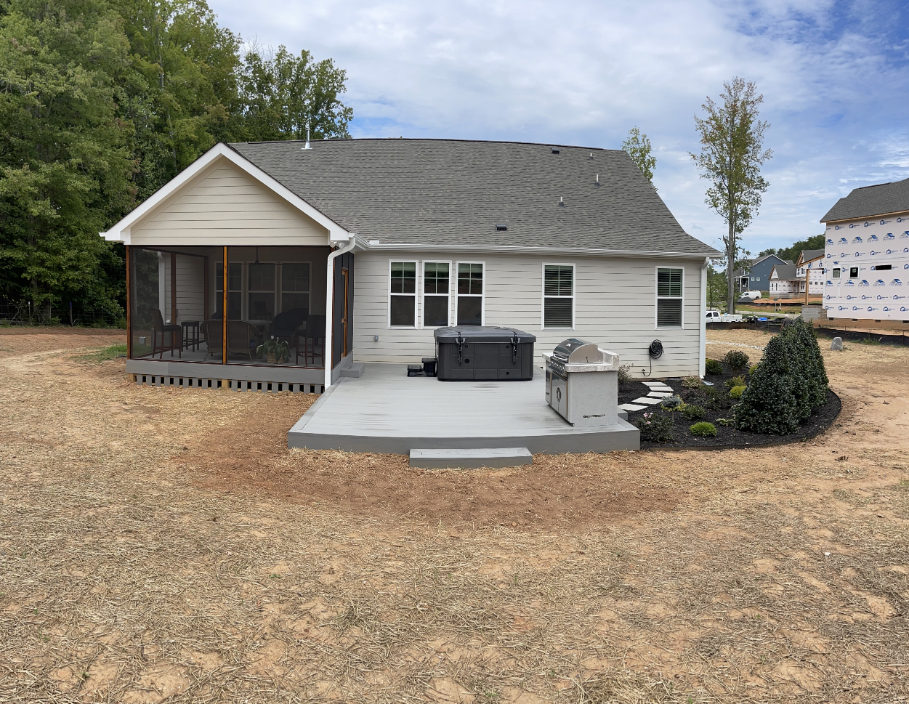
(726, 437)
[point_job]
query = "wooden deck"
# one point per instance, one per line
(386, 411)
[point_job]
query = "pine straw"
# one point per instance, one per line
(123, 581)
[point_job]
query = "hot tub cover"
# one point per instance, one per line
(481, 333)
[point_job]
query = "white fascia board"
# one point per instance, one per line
(371, 244)
(120, 231)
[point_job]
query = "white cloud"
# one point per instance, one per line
(585, 72)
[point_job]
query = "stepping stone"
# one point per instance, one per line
(631, 407)
(659, 394)
(647, 401)
(653, 383)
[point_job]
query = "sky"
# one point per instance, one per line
(834, 76)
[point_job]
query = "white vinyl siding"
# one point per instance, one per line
(614, 306)
(225, 206)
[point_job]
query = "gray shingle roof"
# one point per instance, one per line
(871, 200)
(785, 271)
(809, 254)
(452, 192)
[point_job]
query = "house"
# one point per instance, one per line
(757, 276)
(354, 251)
(866, 258)
(789, 280)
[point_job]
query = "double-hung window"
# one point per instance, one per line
(436, 291)
(261, 292)
(470, 293)
(669, 298)
(402, 303)
(558, 295)
(295, 286)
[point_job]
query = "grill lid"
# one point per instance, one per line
(575, 351)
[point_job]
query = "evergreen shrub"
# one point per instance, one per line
(713, 367)
(703, 430)
(737, 391)
(692, 411)
(736, 359)
(691, 382)
(735, 381)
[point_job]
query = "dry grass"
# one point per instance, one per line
(138, 564)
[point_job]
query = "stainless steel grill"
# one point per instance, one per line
(591, 399)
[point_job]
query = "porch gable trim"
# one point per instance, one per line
(120, 232)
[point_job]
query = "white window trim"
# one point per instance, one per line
(657, 297)
(415, 294)
(574, 284)
(451, 287)
(482, 296)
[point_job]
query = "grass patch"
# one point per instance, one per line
(103, 354)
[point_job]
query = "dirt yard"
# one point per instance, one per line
(163, 545)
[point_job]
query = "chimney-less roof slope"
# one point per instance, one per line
(869, 201)
(452, 192)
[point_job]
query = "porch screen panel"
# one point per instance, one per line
(261, 292)
(146, 296)
(234, 290)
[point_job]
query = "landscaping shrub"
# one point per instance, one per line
(703, 430)
(769, 404)
(691, 382)
(735, 381)
(726, 422)
(692, 411)
(624, 376)
(802, 337)
(655, 427)
(737, 391)
(714, 398)
(713, 367)
(736, 360)
(671, 402)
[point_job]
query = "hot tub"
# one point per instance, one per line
(482, 353)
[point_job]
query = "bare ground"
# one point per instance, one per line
(163, 545)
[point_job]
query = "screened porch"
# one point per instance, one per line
(274, 298)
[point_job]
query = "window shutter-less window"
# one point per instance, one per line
(558, 296)
(403, 304)
(669, 298)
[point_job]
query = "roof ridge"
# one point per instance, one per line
(429, 139)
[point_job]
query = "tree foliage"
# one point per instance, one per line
(732, 153)
(792, 252)
(102, 102)
(638, 147)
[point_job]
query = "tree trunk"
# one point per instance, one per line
(730, 269)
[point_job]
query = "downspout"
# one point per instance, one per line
(328, 343)
(702, 365)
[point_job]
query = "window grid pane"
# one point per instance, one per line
(295, 277)
(669, 282)
(558, 280)
(403, 277)
(435, 278)
(470, 279)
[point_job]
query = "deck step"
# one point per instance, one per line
(354, 371)
(470, 459)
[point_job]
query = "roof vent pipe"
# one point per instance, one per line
(306, 146)
(598, 179)
(561, 202)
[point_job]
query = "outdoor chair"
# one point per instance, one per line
(242, 337)
(286, 323)
(312, 338)
(165, 337)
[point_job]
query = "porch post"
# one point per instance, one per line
(129, 313)
(224, 313)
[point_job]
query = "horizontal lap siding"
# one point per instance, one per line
(615, 306)
(225, 206)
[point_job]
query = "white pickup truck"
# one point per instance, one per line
(714, 316)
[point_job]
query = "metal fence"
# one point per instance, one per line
(71, 314)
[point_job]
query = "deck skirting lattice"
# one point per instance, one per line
(184, 382)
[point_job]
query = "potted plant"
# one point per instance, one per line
(275, 352)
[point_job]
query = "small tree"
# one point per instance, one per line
(768, 403)
(732, 152)
(638, 147)
(803, 341)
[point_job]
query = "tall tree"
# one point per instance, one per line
(64, 157)
(638, 147)
(732, 153)
(281, 95)
(183, 87)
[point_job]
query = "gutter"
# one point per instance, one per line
(328, 342)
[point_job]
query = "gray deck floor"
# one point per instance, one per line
(386, 411)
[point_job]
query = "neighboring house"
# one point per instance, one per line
(757, 278)
(371, 244)
(788, 280)
(740, 279)
(866, 257)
